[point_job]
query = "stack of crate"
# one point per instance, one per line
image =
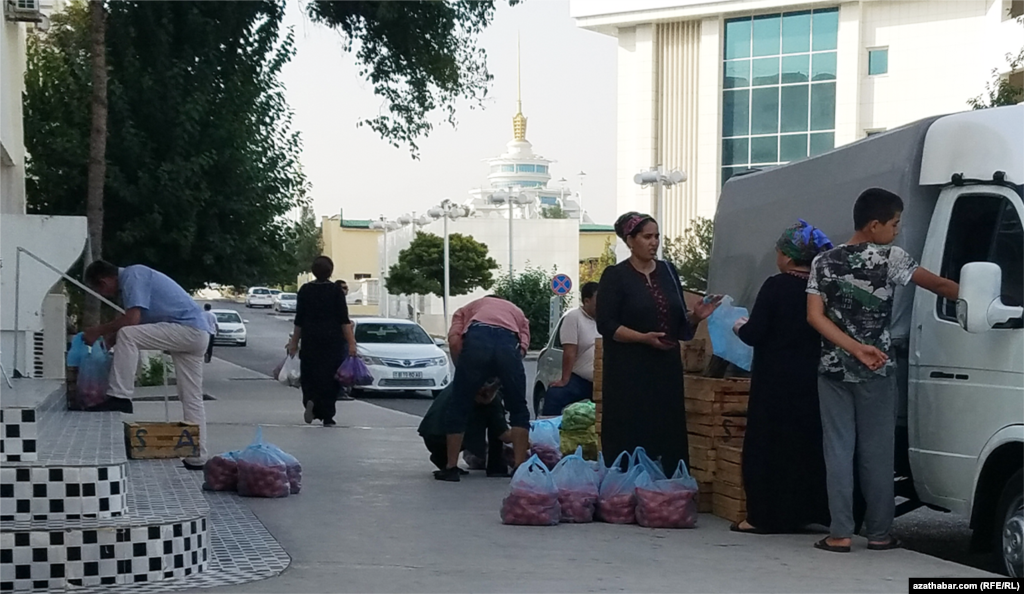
(598, 383)
(715, 420)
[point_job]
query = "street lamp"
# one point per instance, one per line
(582, 175)
(447, 210)
(658, 178)
(385, 225)
(512, 198)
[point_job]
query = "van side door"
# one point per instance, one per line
(963, 387)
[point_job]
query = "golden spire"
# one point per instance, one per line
(519, 120)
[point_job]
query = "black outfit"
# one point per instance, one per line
(488, 351)
(643, 386)
(483, 418)
(783, 463)
(209, 349)
(321, 312)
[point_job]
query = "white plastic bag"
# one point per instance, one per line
(289, 374)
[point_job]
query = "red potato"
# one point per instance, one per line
(220, 473)
(666, 509)
(577, 508)
(547, 454)
(294, 477)
(263, 480)
(617, 509)
(524, 508)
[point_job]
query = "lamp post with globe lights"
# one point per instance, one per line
(447, 210)
(406, 220)
(385, 225)
(658, 178)
(512, 198)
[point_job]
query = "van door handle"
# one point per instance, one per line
(942, 375)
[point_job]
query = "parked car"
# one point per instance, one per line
(286, 302)
(275, 294)
(549, 368)
(259, 297)
(401, 356)
(230, 327)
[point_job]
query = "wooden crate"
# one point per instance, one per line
(728, 473)
(705, 497)
(729, 454)
(150, 439)
(734, 510)
(695, 356)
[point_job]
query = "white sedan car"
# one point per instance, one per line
(259, 297)
(401, 356)
(230, 327)
(286, 302)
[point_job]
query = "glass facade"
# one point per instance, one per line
(878, 61)
(779, 90)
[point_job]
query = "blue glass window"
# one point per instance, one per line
(796, 69)
(542, 168)
(766, 35)
(737, 74)
(764, 111)
(526, 169)
(734, 150)
(796, 32)
(878, 61)
(548, 200)
(792, 147)
(766, 72)
(823, 106)
(825, 30)
(736, 113)
(823, 67)
(737, 39)
(508, 168)
(764, 149)
(822, 143)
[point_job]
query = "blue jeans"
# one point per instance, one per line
(557, 398)
(488, 351)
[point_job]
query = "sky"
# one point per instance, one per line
(568, 86)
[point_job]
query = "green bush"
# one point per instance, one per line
(531, 291)
(153, 372)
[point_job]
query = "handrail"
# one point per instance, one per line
(17, 295)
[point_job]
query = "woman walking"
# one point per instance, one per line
(322, 332)
(642, 317)
(783, 463)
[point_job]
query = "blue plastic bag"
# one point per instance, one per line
(353, 372)
(546, 441)
(724, 341)
(654, 469)
(598, 466)
(261, 470)
(78, 350)
(533, 497)
(94, 375)
(668, 503)
(577, 488)
(616, 502)
(293, 466)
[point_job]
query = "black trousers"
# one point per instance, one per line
(209, 350)
(437, 445)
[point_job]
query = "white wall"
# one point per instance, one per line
(12, 145)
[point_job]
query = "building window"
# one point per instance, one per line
(508, 168)
(526, 168)
(542, 168)
(527, 184)
(361, 276)
(779, 90)
(878, 61)
(548, 200)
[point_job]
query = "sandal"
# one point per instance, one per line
(893, 543)
(823, 545)
(735, 527)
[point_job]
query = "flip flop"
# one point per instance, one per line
(823, 545)
(894, 543)
(735, 527)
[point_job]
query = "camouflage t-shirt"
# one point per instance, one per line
(856, 284)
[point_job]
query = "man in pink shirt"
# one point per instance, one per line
(488, 338)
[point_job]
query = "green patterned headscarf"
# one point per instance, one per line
(803, 241)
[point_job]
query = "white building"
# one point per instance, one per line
(714, 87)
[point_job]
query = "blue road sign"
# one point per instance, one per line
(561, 284)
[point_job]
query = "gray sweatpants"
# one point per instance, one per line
(861, 418)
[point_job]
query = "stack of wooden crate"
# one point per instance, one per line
(598, 383)
(715, 420)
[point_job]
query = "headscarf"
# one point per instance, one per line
(803, 241)
(630, 222)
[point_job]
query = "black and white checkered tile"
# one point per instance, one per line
(19, 434)
(62, 492)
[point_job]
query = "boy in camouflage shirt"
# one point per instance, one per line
(849, 301)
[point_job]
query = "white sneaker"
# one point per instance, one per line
(308, 415)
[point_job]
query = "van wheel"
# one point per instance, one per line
(538, 400)
(1009, 528)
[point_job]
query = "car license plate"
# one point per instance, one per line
(408, 374)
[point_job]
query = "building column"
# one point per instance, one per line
(850, 56)
(708, 176)
(637, 115)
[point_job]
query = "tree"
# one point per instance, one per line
(304, 244)
(420, 267)
(531, 291)
(419, 56)
(691, 254)
(202, 164)
(554, 212)
(591, 270)
(97, 145)
(1003, 90)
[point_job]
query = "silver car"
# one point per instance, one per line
(286, 302)
(549, 367)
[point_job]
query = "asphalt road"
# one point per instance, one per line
(267, 335)
(941, 535)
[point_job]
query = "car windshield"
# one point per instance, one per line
(228, 317)
(391, 333)
(288, 296)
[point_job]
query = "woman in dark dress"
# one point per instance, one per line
(323, 330)
(783, 464)
(642, 317)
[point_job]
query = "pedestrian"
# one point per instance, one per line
(486, 427)
(849, 302)
(642, 317)
(159, 316)
(578, 335)
(345, 393)
(343, 286)
(212, 320)
(322, 336)
(488, 338)
(783, 464)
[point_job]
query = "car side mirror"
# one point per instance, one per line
(439, 342)
(245, 321)
(980, 307)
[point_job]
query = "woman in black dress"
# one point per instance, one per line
(322, 333)
(783, 464)
(642, 317)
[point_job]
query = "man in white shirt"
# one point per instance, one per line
(212, 319)
(578, 336)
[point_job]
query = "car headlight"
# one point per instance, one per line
(240, 331)
(371, 360)
(440, 361)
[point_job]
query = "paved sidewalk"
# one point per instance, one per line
(372, 519)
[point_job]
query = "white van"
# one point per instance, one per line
(960, 439)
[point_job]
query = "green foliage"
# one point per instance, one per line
(531, 291)
(304, 244)
(691, 254)
(420, 267)
(153, 372)
(202, 164)
(591, 270)
(419, 56)
(554, 212)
